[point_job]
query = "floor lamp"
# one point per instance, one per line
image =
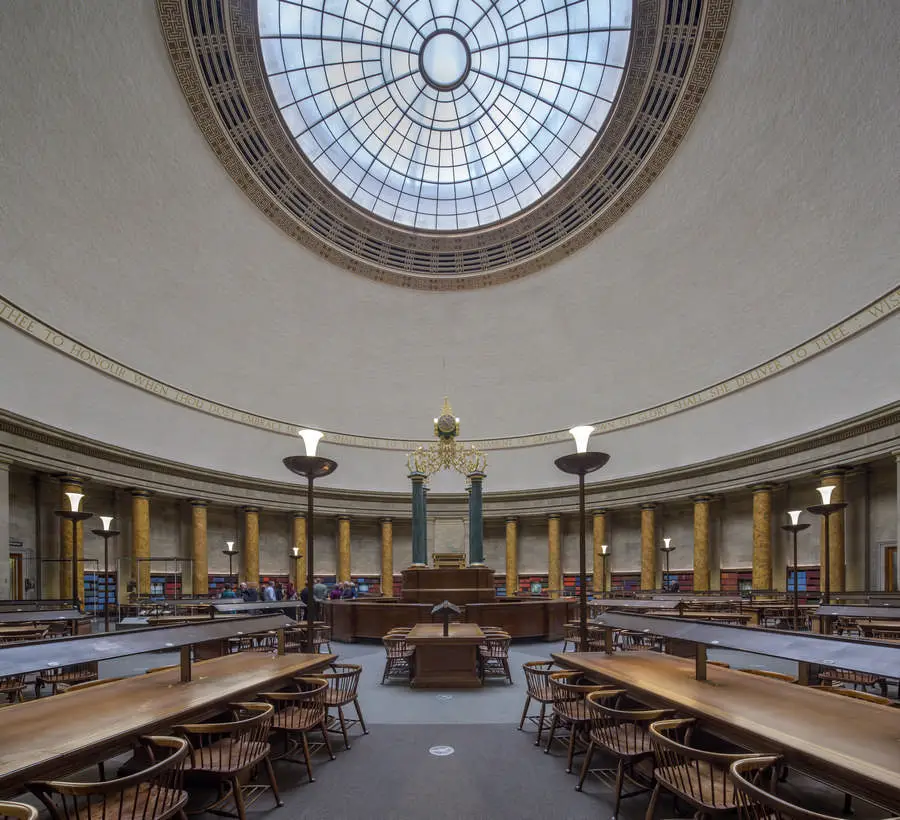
(825, 509)
(74, 515)
(106, 532)
(604, 552)
(795, 527)
(667, 548)
(230, 551)
(310, 467)
(581, 463)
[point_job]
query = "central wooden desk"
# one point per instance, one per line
(54, 736)
(449, 661)
(853, 744)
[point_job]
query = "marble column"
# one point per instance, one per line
(140, 541)
(4, 531)
(701, 542)
(600, 538)
(250, 547)
(512, 557)
(648, 546)
(833, 478)
(419, 520)
(343, 558)
(476, 520)
(199, 549)
(387, 557)
(298, 550)
(762, 536)
(897, 556)
(554, 557)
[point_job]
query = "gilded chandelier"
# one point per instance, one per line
(446, 453)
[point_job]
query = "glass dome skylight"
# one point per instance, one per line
(444, 114)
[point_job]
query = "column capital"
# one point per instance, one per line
(136, 492)
(68, 478)
(343, 517)
(476, 475)
(554, 516)
(385, 519)
(6, 463)
(511, 519)
(297, 514)
(703, 498)
(601, 511)
(416, 476)
(838, 471)
(649, 505)
(250, 509)
(762, 487)
(896, 456)
(198, 502)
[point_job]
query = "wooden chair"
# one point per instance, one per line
(853, 693)
(570, 708)
(570, 636)
(856, 679)
(493, 656)
(78, 673)
(756, 802)
(765, 673)
(154, 793)
(343, 683)
(11, 688)
(297, 713)
(38, 633)
(622, 733)
(398, 657)
(225, 753)
(17, 811)
(537, 687)
(699, 777)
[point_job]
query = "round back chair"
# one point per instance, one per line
(17, 811)
(537, 687)
(569, 691)
(343, 683)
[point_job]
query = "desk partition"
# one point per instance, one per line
(857, 655)
(230, 607)
(877, 613)
(35, 656)
(19, 616)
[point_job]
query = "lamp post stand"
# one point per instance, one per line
(106, 534)
(667, 549)
(74, 516)
(581, 464)
(826, 510)
(795, 528)
(310, 467)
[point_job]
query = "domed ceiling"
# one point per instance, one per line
(736, 284)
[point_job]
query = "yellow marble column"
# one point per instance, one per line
(701, 542)
(343, 564)
(833, 478)
(199, 549)
(140, 541)
(70, 484)
(387, 557)
(554, 558)
(512, 557)
(762, 536)
(298, 544)
(250, 547)
(600, 567)
(648, 546)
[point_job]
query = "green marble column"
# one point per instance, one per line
(419, 520)
(476, 520)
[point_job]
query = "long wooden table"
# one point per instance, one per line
(854, 744)
(53, 736)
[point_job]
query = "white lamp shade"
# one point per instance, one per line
(229, 545)
(296, 551)
(581, 435)
(311, 440)
(667, 541)
(106, 522)
(604, 549)
(794, 515)
(75, 501)
(825, 492)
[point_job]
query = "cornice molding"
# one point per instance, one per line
(860, 321)
(35, 446)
